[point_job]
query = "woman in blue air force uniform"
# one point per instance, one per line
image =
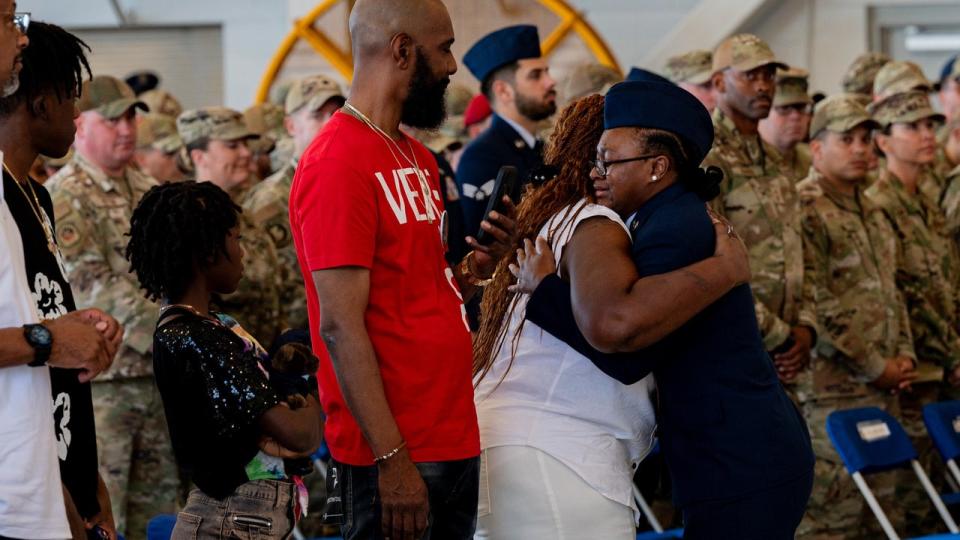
(738, 449)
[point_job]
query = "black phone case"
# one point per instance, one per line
(505, 185)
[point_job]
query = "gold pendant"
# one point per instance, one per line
(52, 247)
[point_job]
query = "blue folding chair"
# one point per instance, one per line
(943, 425)
(869, 441)
(161, 527)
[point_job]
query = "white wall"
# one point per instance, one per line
(820, 35)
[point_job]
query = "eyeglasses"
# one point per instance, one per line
(20, 20)
(603, 167)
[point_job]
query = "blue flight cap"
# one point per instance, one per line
(502, 47)
(641, 75)
(660, 106)
(951, 70)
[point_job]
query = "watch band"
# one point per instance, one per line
(41, 347)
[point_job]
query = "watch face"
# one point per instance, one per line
(40, 335)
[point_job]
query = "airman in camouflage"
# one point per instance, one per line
(161, 102)
(787, 126)
(266, 121)
(865, 347)
(692, 71)
(94, 196)
(158, 148)
(897, 77)
(929, 273)
(761, 202)
(858, 79)
(310, 103)
(951, 195)
(216, 138)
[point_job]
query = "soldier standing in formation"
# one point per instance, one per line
(216, 140)
(865, 348)
(761, 202)
(785, 130)
(309, 105)
(93, 198)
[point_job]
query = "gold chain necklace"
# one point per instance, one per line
(51, 245)
(391, 144)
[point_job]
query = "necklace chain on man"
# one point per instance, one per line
(391, 144)
(51, 245)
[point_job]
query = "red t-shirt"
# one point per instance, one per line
(353, 204)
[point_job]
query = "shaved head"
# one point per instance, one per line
(374, 23)
(401, 54)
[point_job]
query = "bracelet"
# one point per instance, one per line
(390, 454)
(469, 275)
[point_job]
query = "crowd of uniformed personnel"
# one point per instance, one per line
(850, 210)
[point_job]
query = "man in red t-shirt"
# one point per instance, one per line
(386, 311)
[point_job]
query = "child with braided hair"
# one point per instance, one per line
(230, 429)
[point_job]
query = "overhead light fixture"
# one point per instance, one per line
(919, 41)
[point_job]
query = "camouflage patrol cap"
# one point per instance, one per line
(899, 76)
(108, 96)
(860, 75)
(159, 132)
(313, 92)
(694, 67)
(589, 79)
(840, 113)
(458, 97)
(903, 108)
(266, 121)
(792, 87)
(212, 123)
(163, 102)
(744, 52)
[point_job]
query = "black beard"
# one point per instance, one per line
(535, 110)
(426, 103)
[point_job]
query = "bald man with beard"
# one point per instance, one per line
(385, 310)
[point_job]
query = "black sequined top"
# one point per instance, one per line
(214, 392)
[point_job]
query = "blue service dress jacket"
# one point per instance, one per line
(497, 146)
(725, 425)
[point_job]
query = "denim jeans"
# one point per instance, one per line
(261, 509)
(452, 488)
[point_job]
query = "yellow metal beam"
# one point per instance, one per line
(570, 21)
(341, 61)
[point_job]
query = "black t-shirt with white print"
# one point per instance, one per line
(72, 401)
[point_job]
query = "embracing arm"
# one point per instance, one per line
(618, 311)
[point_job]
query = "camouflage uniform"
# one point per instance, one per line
(256, 302)
(763, 206)
(266, 120)
(951, 202)
(859, 77)
(161, 102)
(850, 256)
(792, 86)
(268, 204)
(93, 215)
(694, 67)
(929, 277)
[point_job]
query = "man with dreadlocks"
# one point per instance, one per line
(37, 116)
(93, 198)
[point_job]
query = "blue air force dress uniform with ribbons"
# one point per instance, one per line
(503, 143)
(738, 449)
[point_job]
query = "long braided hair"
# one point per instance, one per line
(572, 148)
(177, 228)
